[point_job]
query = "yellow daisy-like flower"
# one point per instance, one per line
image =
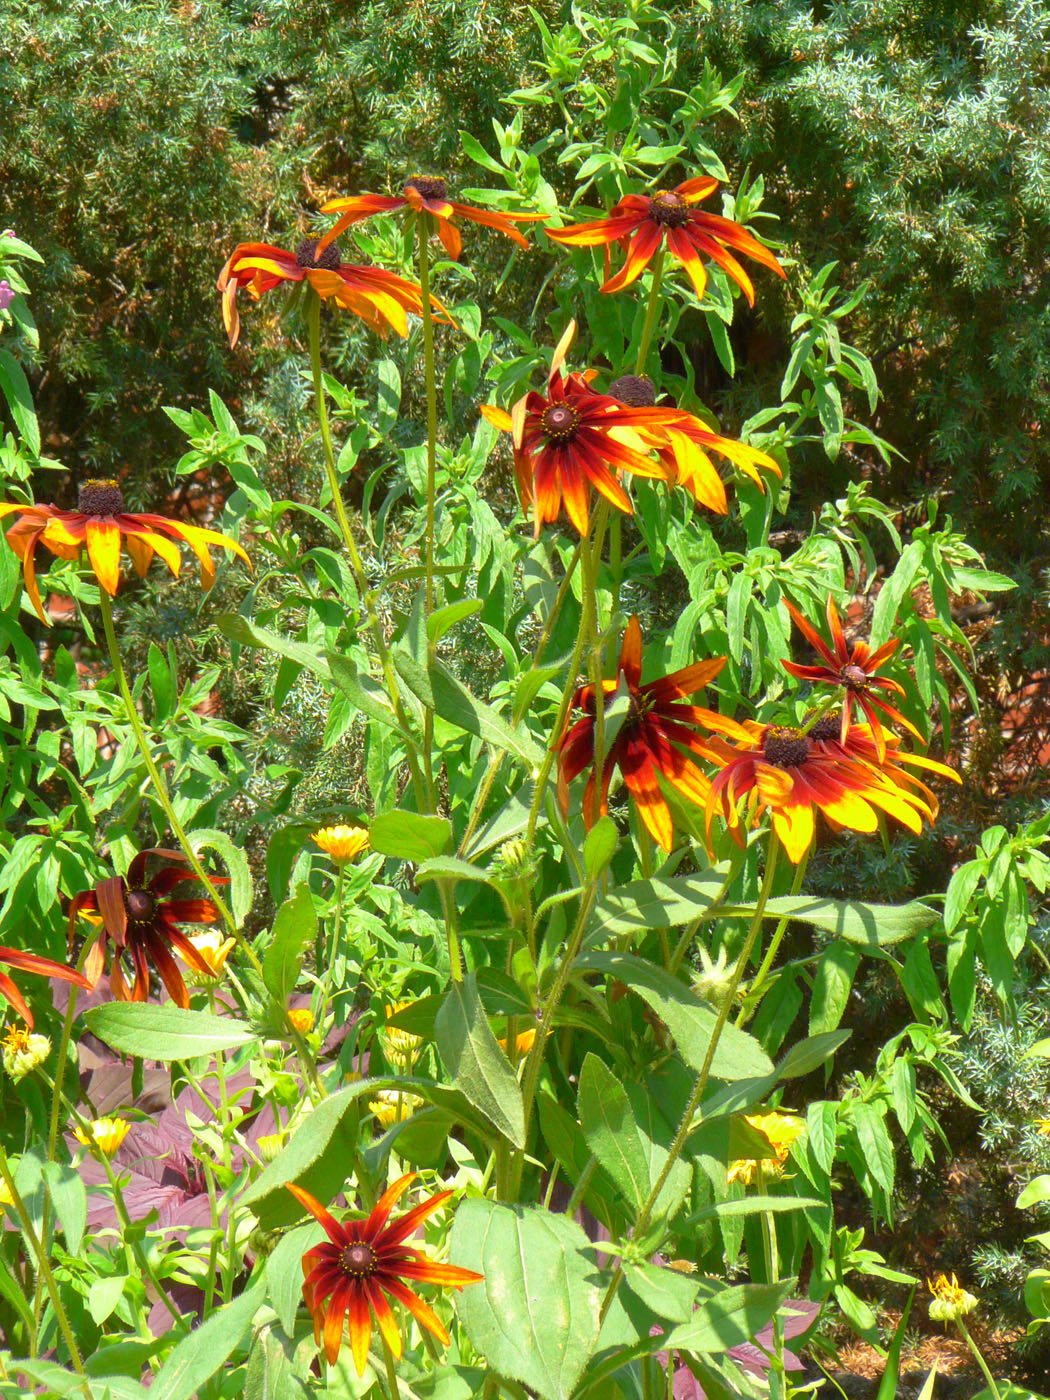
(950, 1300)
(522, 1043)
(781, 1130)
(302, 1018)
(401, 1048)
(23, 1052)
(342, 843)
(213, 950)
(103, 1135)
(393, 1106)
(6, 1199)
(1042, 1125)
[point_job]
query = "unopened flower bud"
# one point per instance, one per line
(950, 1301)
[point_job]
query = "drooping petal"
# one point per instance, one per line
(419, 1310)
(384, 1317)
(639, 255)
(348, 1297)
(103, 547)
(590, 235)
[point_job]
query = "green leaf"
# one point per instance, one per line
(293, 931)
(610, 1130)
(647, 904)
(731, 1316)
(450, 868)
(104, 1295)
(535, 1315)
(197, 1357)
(284, 1271)
(479, 155)
(691, 1021)
(248, 634)
(15, 388)
(875, 1143)
(600, 846)
(753, 1205)
(361, 690)
(69, 1198)
(167, 1032)
(869, 925)
(271, 1373)
(891, 1375)
(237, 867)
(476, 1064)
(832, 984)
(454, 702)
(410, 835)
(822, 1133)
(1036, 1193)
(665, 1292)
(315, 1157)
(444, 619)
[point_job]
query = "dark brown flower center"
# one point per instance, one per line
(560, 421)
(854, 677)
(100, 498)
(828, 729)
(306, 255)
(140, 905)
(666, 207)
(785, 748)
(634, 390)
(357, 1259)
(428, 186)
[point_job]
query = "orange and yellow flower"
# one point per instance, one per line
(662, 735)
(855, 668)
(574, 439)
(425, 194)
(861, 747)
(793, 775)
(135, 915)
(643, 223)
(780, 1130)
(380, 298)
(364, 1261)
(33, 962)
(683, 443)
(100, 524)
(341, 842)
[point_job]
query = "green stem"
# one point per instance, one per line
(43, 1268)
(313, 318)
(160, 787)
(423, 251)
(762, 974)
(391, 1372)
(686, 1125)
(978, 1358)
(652, 313)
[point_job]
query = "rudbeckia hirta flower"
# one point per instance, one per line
(342, 843)
(425, 194)
(780, 1130)
(683, 443)
(142, 923)
(662, 734)
(574, 439)
(101, 524)
(855, 668)
(643, 223)
(793, 775)
(860, 747)
(380, 298)
(33, 962)
(363, 1262)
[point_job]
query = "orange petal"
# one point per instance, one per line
(631, 653)
(103, 547)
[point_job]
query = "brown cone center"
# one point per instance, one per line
(140, 905)
(854, 677)
(785, 748)
(666, 207)
(357, 1259)
(559, 421)
(828, 729)
(428, 186)
(306, 255)
(634, 390)
(100, 498)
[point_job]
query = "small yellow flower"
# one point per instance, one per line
(393, 1106)
(23, 1052)
(302, 1018)
(1042, 1125)
(522, 1043)
(400, 1047)
(214, 949)
(104, 1135)
(342, 843)
(950, 1300)
(781, 1130)
(6, 1199)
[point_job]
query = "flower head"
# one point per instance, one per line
(950, 1300)
(780, 1130)
(23, 1052)
(523, 1042)
(425, 194)
(100, 524)
(401, 1048)
(380, 298)
(643, 223)
(302, 1018)
(142, 923)
(392, 1106)
(342, 843)
(793, 775)
(573, 439)
(213, 949)
(33, 962)
(365, 1261)
(1042, 1125)
(855, 669)
(103, 1135)
(661, 734)
(683, 444)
